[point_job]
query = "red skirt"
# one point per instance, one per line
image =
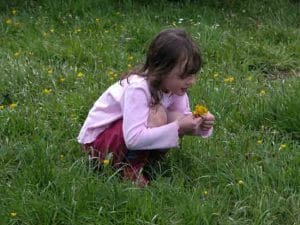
(111, 143)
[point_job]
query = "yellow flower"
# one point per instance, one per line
(205, 193)
(62, 79)
(50, 71)
(52, 30)
(97, 20)
(105, 162)
(216, 75)
(229, 79)
(30, 53)
(47, 91)
(130, 58)
(17, 54)
(8, 21)
(259, 142)
(13, 214)
(14, 12)
(1, 107)
(129, 66)
(262, 92)
(200, 110)
(240, 182)
(77, 30)
(62, 157)
(80, 75)
(249, 78)
(282, 146)
(13, 105)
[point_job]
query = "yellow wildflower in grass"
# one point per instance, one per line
(8, 21)
(17, 54)
(282, 146)
(129, 66)
(249, 78)
(30, 53)
(105, 162)
(200, 110)
(50, 71)
(205, 193)
(62, 79)
(13, 214)
(1, 107)
(62, 157)
(259, 142)
(14, 12)
(216, 76)
(52, 30)
(97, 20)
(240, 182)
(228, 80)
(47, 91)
(262, 92)
(77, 31)
(13, 105)
(130, 58)
(80, 75)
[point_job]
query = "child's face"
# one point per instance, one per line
(175, 84)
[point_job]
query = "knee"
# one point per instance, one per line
(157, 116)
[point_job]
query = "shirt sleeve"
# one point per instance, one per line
(180, 104)
(137, 135)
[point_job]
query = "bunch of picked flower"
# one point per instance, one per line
(200, 110)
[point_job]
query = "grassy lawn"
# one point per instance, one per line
(57, 57)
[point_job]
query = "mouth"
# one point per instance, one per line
(184, 89)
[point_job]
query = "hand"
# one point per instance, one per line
(208, 122)
(188, 124)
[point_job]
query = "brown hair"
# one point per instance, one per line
(168, 48)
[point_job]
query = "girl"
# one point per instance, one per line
(144, 114)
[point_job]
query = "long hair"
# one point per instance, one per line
(168, 48)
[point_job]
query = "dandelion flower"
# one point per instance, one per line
(50, 71)
(240, 182)
(282, 146)
(13, 105)
(47, 91)
(200, 110)
(105, 162)
(129, 66)
(80, 75)
(130, 58)
(8, 21)
(14, 12)
(1, 107)
(61, 79)
(205, 193)
(262, 92)
(259, 142)
(13, 214)
(249, 78)
(17, 54)
(216, 75)
(229, 79)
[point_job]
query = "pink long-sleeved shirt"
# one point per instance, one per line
(130, 100)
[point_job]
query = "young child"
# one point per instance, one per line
(139, 118)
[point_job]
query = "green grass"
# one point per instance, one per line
(247, 173)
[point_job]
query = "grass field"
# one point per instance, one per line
(57, 57)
